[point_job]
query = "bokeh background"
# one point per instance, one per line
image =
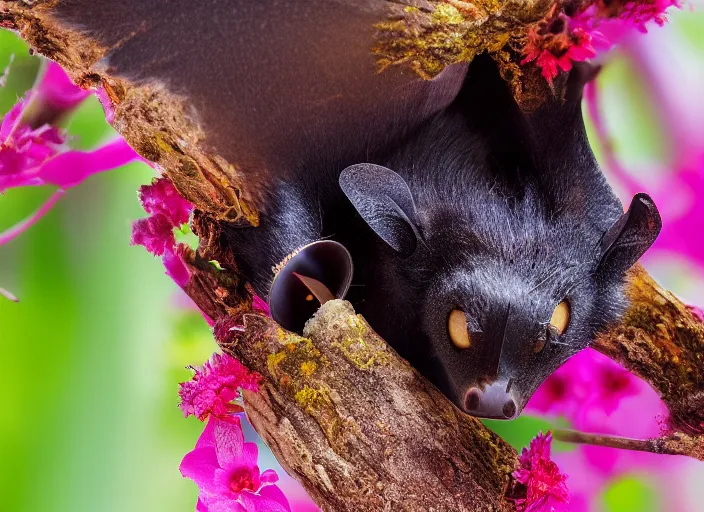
(91, 357)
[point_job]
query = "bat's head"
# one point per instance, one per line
(503, 292)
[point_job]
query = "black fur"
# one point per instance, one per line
(505, 219)
(511, 210)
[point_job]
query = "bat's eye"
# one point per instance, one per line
(561, 317)
(457, 328)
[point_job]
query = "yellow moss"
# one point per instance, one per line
(447, 15)
(308, 368)
(358, 350)
(289, 338)
(274, 360)
(311, 399)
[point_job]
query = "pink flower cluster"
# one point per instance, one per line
(222, 465)
(574, 31)
(225, 469)
(589, 381)
(168, 211)
(545, 487)
(214, 386)
(33, 150)
(596, 395)
(555, 44)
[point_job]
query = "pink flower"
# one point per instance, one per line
(558, 40)
(225, 469)
(162, 198)
(175, 267)
(57, 91)
(33, 150)
(156, 233)
(554, 44)
(24, 149)
(589, 380)
(545, 486)
(214, 386)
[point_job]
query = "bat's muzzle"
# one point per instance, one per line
(317, 272)
(493, 401)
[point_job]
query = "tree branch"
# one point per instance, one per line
(662, 341)
(360, 427)
(673, 444)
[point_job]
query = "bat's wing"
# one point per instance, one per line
(273, 83)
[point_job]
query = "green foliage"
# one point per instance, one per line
(630, 494)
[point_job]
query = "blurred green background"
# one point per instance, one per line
(93, 353)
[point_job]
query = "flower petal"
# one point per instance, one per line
(71, 168)
(269, 499)
(229, 441)
(226, 506)
(176, 269)
(200, 466)
(269, 477)
(58, 91)
(250, 454)
(207, 437)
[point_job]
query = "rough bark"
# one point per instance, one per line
(342, 412)
(360, 427)
(661, 340)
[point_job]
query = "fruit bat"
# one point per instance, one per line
(487, 246)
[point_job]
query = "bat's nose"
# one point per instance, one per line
(493, 401)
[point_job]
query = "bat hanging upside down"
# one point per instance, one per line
(487, 246)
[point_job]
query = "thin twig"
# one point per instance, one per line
(673, 444)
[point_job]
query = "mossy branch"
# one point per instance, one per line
(661, 340)
(359, 427)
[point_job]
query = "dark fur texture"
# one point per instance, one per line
(510, 212)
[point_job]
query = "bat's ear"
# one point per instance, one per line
(630, 236)
(384, 201)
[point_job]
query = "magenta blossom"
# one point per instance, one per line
(544, 483)
(589, 381)
(225, 469)
(33, 148)
(57, 91)
(559, 40)
(161, 198)
(168, 211)
(214, 386)
(155, 233)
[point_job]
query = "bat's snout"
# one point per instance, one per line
(493, 401)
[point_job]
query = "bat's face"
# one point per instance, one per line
(503, 294)
(496, 333)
